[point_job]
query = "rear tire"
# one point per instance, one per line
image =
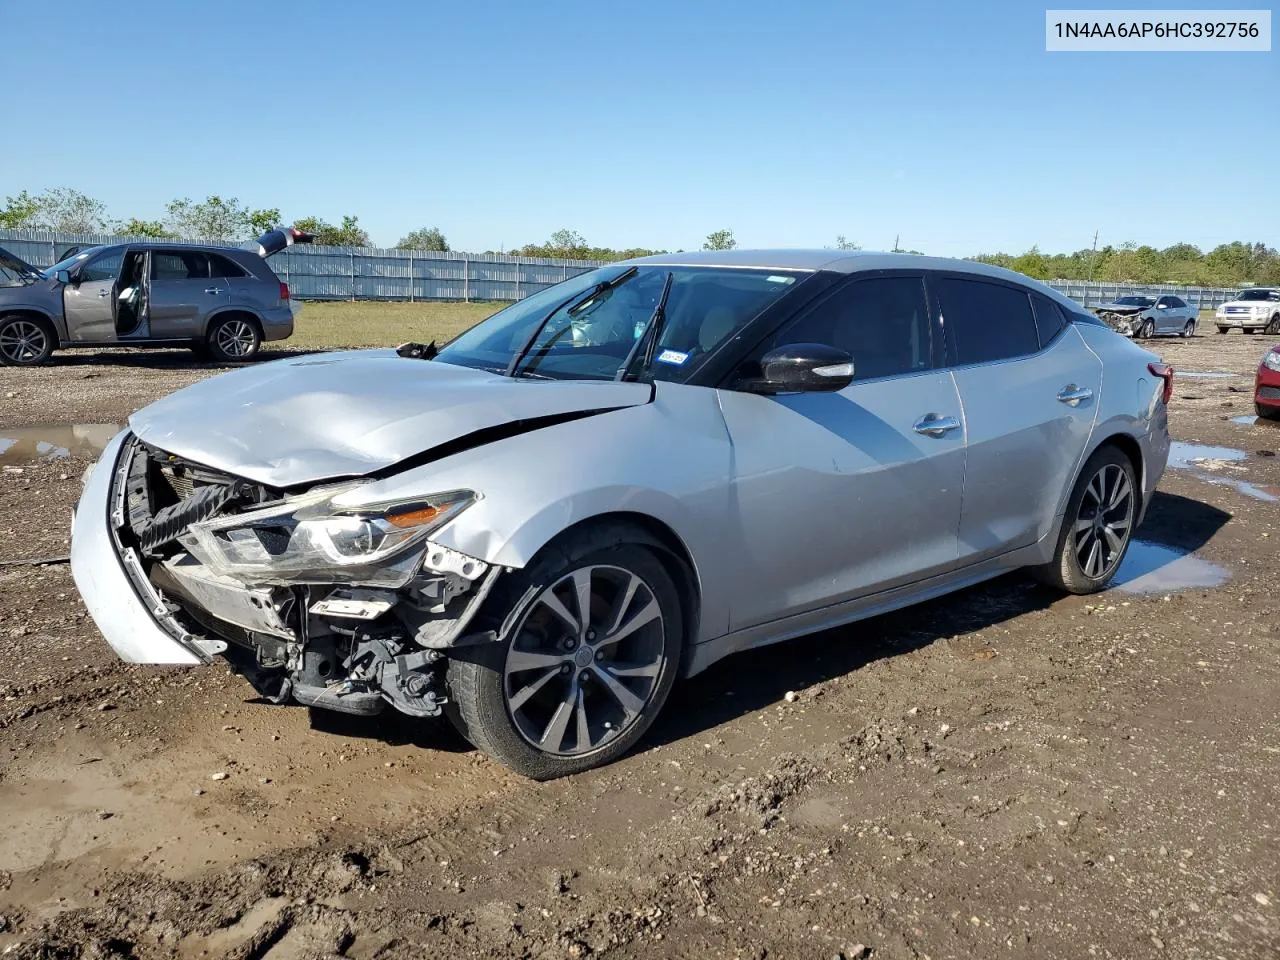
(234, 338)
(26, 341)
(551, 699)
(1097, 526)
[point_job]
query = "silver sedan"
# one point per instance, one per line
(616, 482)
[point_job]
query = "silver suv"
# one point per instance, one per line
(222, 302)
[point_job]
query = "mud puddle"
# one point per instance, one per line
(54, 441)
(1204, 461)
(1155, 568)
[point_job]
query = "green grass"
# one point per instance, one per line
(367, 323)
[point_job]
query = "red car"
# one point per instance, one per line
(1266, 391)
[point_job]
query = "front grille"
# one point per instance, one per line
(1234, 310)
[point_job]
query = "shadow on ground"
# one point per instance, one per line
(754, 679)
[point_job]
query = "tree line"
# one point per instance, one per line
(1226, 265)
(226, 220)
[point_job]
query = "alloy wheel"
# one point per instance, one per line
(1104, 522)
(585, 660)
(23, 341)
(235, 338)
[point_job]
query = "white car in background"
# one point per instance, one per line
(1257, 308)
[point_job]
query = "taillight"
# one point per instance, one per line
(1165, 373)
(284, 291)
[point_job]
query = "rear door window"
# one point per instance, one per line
(986, 321)
(179, 265)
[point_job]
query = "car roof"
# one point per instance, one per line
(843, 261)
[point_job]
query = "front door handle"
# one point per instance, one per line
(214, 290)
(1072, 395)
(932, 425)
(104, 293)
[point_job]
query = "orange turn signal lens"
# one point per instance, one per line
(415, 516)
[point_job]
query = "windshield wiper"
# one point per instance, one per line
(577, 299)
(650, 335)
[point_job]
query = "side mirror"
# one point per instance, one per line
(64, 276)
(802, 368)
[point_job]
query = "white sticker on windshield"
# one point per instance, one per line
(672, 356)
(780, 279)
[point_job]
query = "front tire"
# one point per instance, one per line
(562, 692)
(1189, 330)
(1266, 413)
(1273, 328)
(25, 341)
(1147, 330)
(1249, 330)
(233, 339)
(1223, 330)
(1097, 527)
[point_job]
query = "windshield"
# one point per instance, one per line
(1134, 301)
(591, 339)
(13, 272)
(71, 261)
(1258, 295)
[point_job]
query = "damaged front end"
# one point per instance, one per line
(342, 609)
(1124, 322)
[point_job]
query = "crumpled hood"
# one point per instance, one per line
(330, 415)
(1121, 308)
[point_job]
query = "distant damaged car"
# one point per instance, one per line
(1146, 317)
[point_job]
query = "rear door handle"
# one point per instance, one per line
(932, 425)
(1071, 395)
(213, 290)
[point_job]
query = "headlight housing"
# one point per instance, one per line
(1272, 361)
(309, 539)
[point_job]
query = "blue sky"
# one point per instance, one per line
(647, 124)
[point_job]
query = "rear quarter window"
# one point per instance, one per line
(1049, 318)
(225, 267)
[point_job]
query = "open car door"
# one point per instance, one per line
(273, 241)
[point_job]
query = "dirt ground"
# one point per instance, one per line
(1002, 772)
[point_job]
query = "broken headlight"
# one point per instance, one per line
(310, 539)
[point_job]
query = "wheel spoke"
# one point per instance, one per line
(623, 604)
(584, 731)
(553, 735)
(552, 603)
(1119, 493)
(622, 669)
(630, 703)
(521, 697)
(1095, 558)
(646, 614)
(1113, 541)
(582, 590)
(1095, 494)
(518, 660)
(1083, 524)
